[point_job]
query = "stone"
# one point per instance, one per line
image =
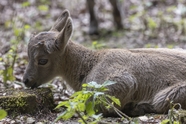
(27, 101)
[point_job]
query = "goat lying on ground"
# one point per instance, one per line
(145, 78)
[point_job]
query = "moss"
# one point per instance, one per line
(26, 101)
(45, 98)
(18, 102)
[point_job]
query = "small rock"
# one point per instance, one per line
(18, 121)
(143, 118)
(8, 119)
(17, 86)
(22, 118)
(30, 120)
(12, 122)
(40, 123)
(27, 101)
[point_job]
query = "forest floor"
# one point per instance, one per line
(146, 24)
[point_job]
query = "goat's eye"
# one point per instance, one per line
(42, 61)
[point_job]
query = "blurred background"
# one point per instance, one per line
(146, 23)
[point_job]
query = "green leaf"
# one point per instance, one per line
(65, 115)
(68, 114)
(176, 122)
(95, 96)
(73, 105)
(64, 103)
(8, 24)
(5, 77)
(97, 116)
(81, 107)
(17, 31)
(86, 96)
(10, 74)
(107, 83)
(151, 23)
(94, 84)
(87, 92)
(27, 27)
(98, 94)
(114, 99)
(171, 8)
(85, 117)
(81, 101)
(43, 7)
(90, 108)
(166, 121)
(84, 85)
(3, 114)
(78, 93)
(170, 46)
(25, 4)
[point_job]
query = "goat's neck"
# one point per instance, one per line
(77, 63)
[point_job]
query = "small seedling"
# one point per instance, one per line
(84, 102)
(174, 115)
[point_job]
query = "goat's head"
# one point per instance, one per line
(45, 51)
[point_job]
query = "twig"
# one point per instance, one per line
(81, 117)
(120, 113)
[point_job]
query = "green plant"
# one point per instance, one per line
(96, 45)
(43, 8)
(175, 116)
(84, 102)
(26, 4)
(3, 114)
(8, 59)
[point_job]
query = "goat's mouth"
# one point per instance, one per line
(30, 84)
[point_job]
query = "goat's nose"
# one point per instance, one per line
(25, 81)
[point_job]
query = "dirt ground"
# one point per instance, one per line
(147, 23)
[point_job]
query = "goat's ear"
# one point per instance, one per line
(61, 21)
(65, 35)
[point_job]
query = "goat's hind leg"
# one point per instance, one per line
(175, 93)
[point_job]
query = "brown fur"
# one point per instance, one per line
(146, 78)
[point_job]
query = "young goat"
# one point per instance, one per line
(147, 79)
